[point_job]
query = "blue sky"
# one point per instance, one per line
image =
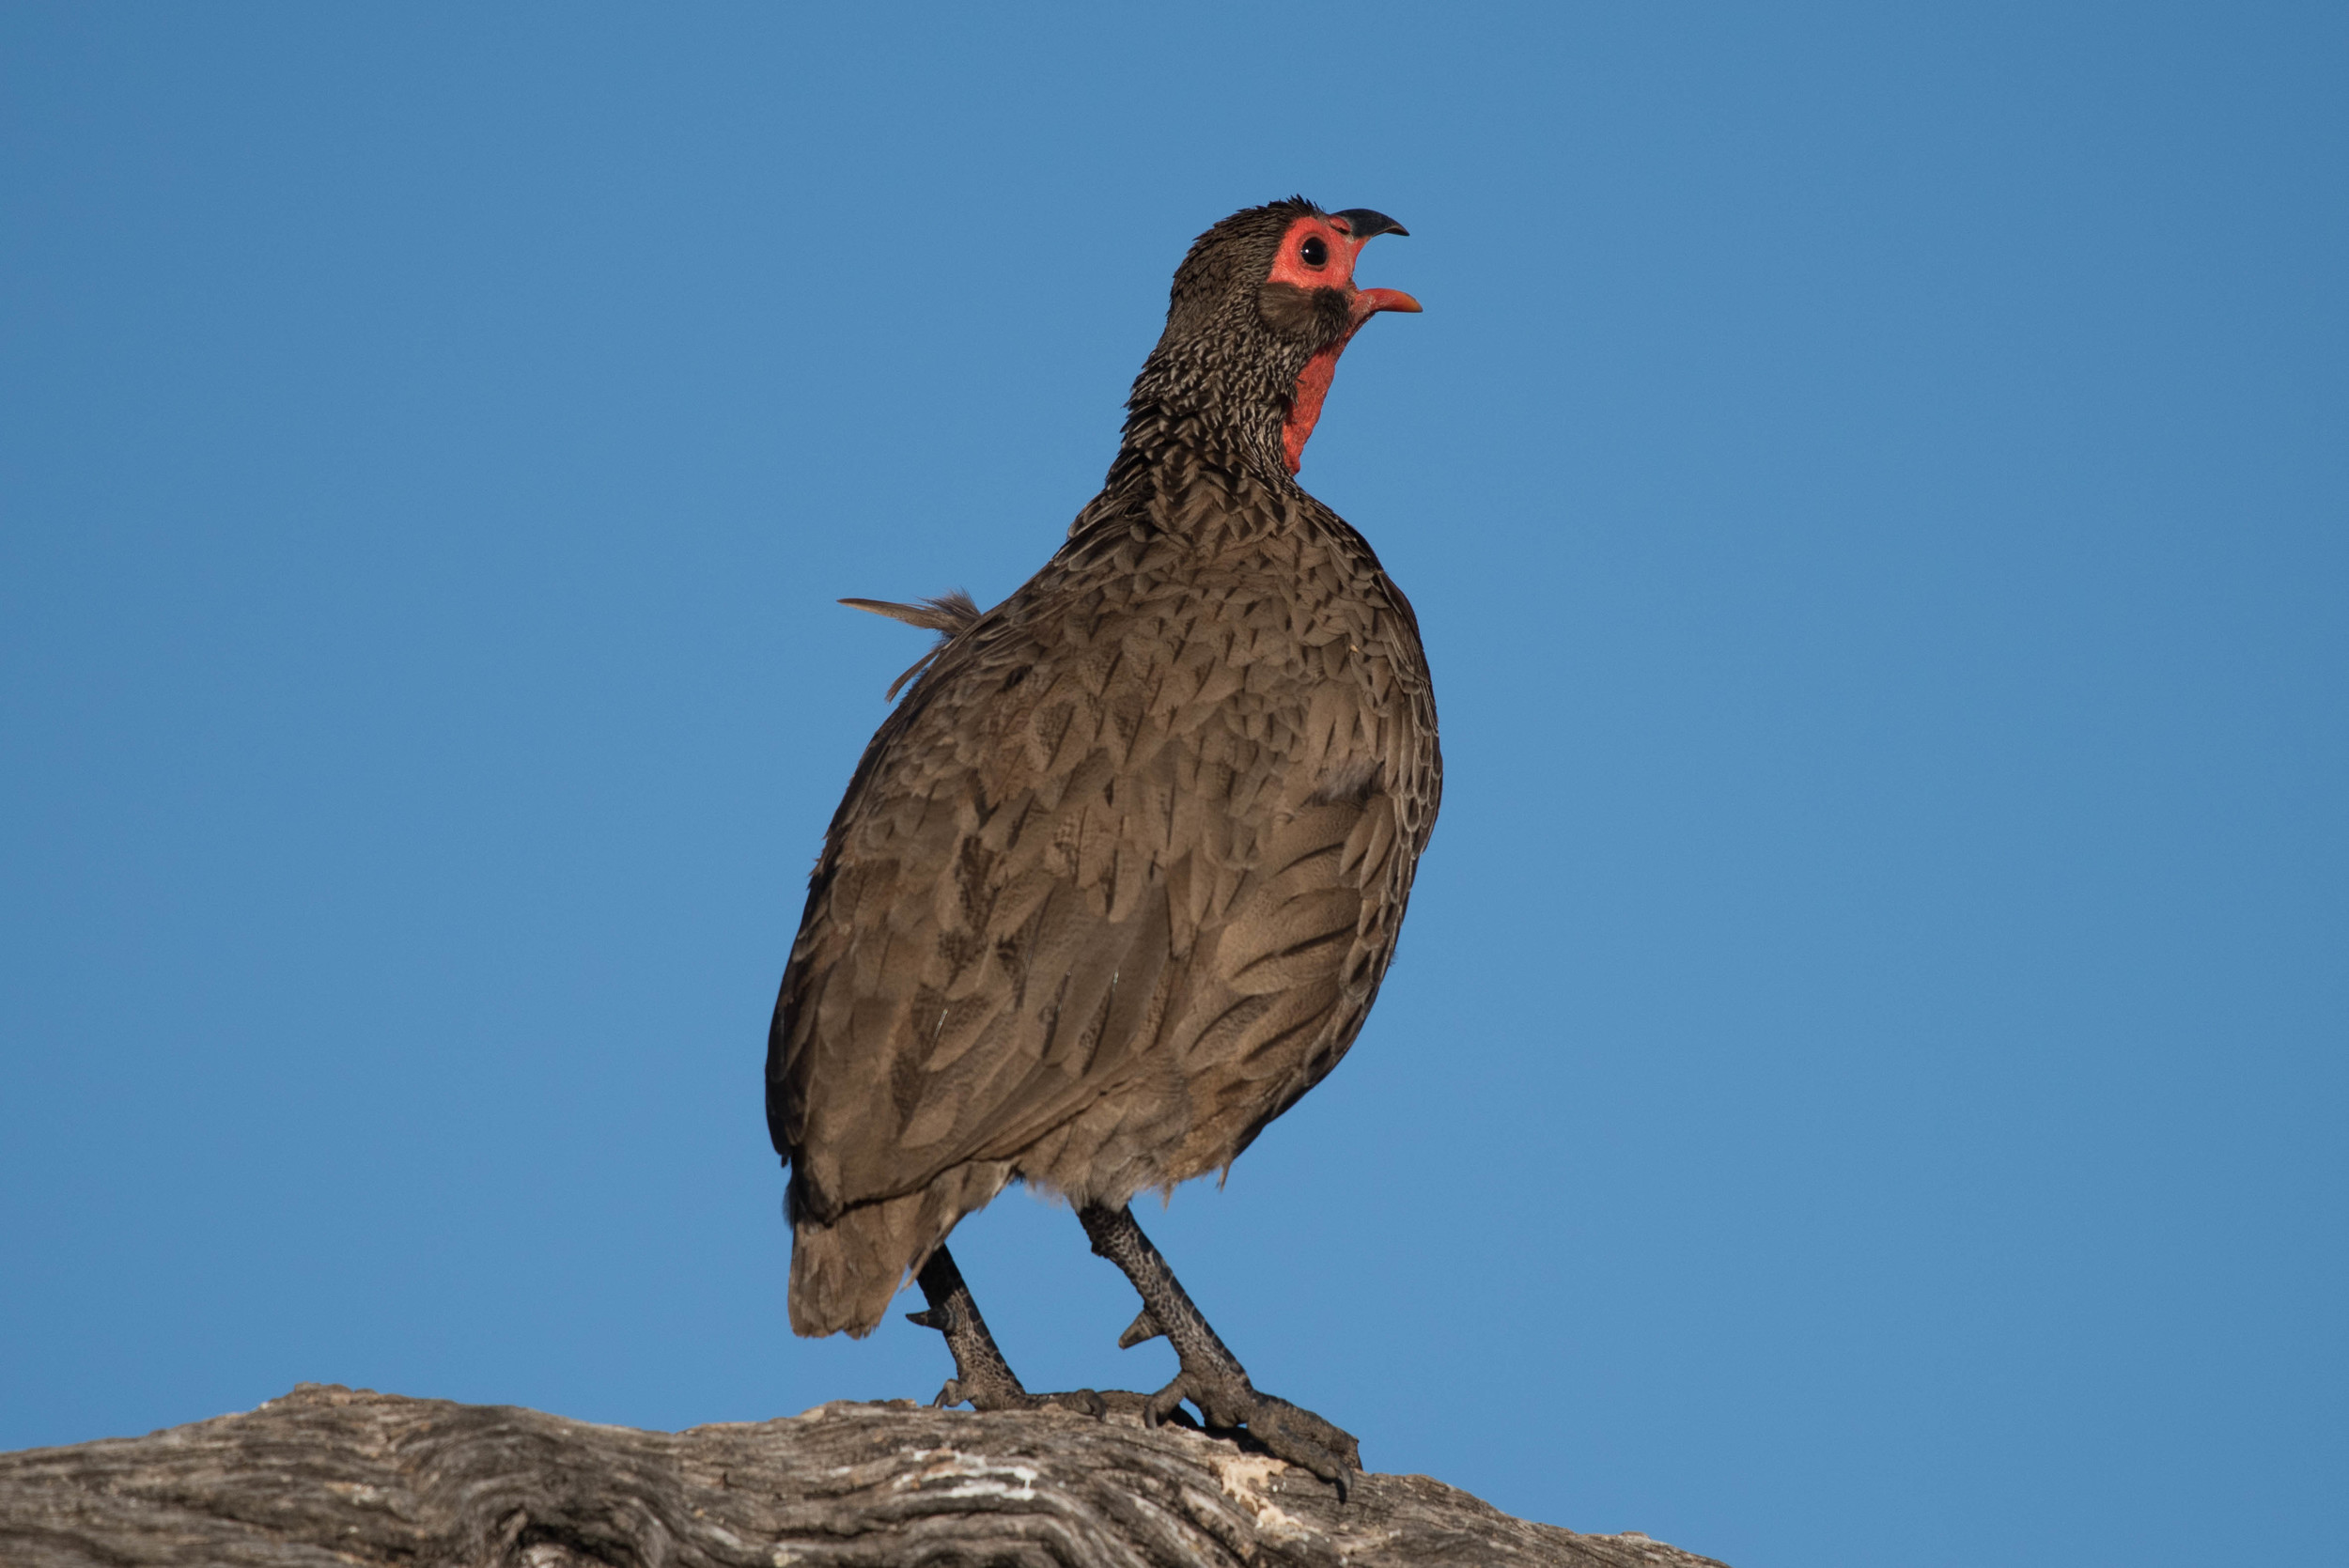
(1863, 1082)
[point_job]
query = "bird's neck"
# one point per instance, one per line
(1197, 492)
(1174, 444)
(1193, 407)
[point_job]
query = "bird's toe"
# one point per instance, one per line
(1296, 1435)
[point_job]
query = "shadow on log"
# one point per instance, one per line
(327, 1475)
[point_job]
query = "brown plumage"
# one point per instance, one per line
(1117, 881)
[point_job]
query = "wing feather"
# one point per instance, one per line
(1110, 889)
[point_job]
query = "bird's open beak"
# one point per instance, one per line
(1366, 225)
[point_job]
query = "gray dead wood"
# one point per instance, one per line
(329, 1476)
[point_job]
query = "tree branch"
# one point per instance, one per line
(327, 1475)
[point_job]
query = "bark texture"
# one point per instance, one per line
(327, 1475)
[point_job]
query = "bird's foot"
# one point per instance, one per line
(985, 1382)
(982, 1377)
(1228, 1401)
(1211, 1376)
(986, 1393)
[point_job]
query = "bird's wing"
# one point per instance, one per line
(1108, 883)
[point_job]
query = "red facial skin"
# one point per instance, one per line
(1337, 272)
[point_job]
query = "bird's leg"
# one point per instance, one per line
(1211, 1376)
(981, 1373)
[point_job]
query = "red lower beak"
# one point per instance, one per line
(1370, 301)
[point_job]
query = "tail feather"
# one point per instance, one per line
(845, 1274)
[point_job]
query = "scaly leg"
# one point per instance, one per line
(1211, 1376)
(981, 1373)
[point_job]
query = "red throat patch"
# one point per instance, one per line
(1313, 385)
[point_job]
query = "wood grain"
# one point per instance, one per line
(327, 1475)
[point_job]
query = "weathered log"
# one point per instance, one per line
(327, 1475)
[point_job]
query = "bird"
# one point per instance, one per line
(1118, 880)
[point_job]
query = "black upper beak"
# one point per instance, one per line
(1366, 225)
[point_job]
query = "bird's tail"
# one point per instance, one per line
(844, 1274)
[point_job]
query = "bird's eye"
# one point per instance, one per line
(1313, 251)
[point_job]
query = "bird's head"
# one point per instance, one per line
(1262, 306)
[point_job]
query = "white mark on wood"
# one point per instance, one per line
(974, 1475)
(1247, 1480)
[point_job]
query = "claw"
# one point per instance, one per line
(929, 1317)
(1084, 1402)
(1163, 1403)
(1143, 1328)
(1306, 1439)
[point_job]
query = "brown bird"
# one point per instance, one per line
(1117, 881)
